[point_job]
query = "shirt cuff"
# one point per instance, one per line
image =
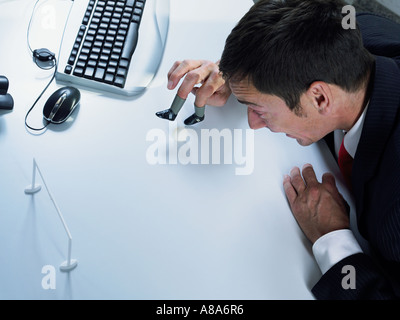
(334, 247)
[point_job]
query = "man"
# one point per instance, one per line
(300, 72)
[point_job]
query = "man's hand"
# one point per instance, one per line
(213, 90)
(319, 208)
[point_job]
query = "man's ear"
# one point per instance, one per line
(320, 96)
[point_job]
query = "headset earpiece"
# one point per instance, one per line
(44, 58)
(44, 55)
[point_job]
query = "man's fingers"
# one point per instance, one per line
(208, 88)
(193, 72)
(173, 68)
(179, 70)
(309, 175)
(329, 180)
(291, 193)
(330, 183)
(199, 74)
(297, 180)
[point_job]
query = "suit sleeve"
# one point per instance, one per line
(381, 36)
(370, 283)
(376, 277)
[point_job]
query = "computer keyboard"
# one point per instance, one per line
(113, 46)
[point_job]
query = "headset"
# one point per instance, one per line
(44, 59)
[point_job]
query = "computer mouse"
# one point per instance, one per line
(61, 104)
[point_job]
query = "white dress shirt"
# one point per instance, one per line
(337, 245)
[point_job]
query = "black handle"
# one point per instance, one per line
(3, 85)
(6, 102)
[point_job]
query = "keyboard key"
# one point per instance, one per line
(131, 41)
(104, 57)
(130, 3)
(78, 72)
(85, 51)
(81, 64)
(71, 60)
(83, 57)
(112, 32)
(109, 78)
(92, 63)
(122, 72)
(102, 64)
(113, 63)
(135, 18)
(99, 75)
(114, 56)
(102, 31)
(118, 44)
(108, 45)
(96, 50)
(93, 56)
(124, 63)
(68, 69)
(111, 70)
(117, 51)
(122, 32)
(106, 51)
(119, 10)
(89, 72)
(139, 5)
(119, 82)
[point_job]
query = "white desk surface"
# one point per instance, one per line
(143, 231)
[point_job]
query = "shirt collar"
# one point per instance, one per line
(352, 137)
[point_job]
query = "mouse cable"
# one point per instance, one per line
(38, 98)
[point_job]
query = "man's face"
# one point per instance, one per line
(272, 112)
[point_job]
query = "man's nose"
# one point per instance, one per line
(255, 122)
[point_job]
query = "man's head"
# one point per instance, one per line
(288, 48)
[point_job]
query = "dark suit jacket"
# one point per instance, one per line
(376, 176)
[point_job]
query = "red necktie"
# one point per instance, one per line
(345, 161)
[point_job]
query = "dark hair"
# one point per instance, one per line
(283, 46)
